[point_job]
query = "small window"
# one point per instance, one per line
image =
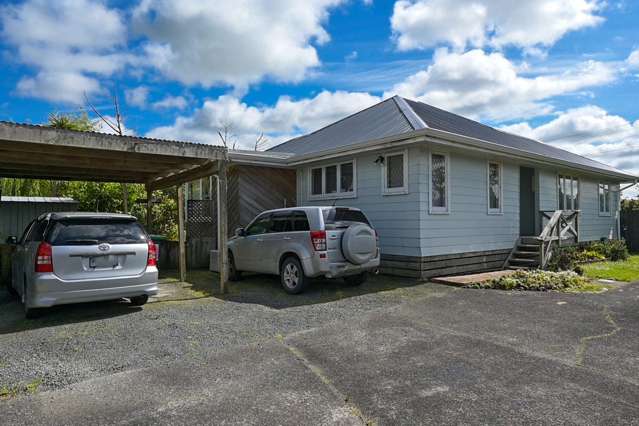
(494, 188)
(395, 173)
(438, 183)
(316, 185)
(261, 225)
(341, 215)
(568, 192)
(37, 232)
(333, 181)
(604, 199)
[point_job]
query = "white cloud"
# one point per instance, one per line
(592, 132)
(633, 59)
(234, 43)
(285, 119)
(70, 43)
(171, 102)
(420, 24)
(137, 97)
(489, 86)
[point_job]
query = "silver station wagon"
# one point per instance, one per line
(305, 242)
(81, 257)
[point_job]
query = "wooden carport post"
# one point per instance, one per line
(181, 234)
(222, 225)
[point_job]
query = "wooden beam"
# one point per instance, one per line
(222, 225)
(71, 176)
(181, 234)
(185, 176)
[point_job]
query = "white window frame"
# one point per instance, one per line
(435, 209)
(499, 210)
(401, 189)
(609, 212)
(572, 178)
(335, 195)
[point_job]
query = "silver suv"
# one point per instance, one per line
(81, 257)
(305, 242)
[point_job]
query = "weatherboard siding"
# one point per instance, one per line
(468, 227)
(592, 225)
(395, 217)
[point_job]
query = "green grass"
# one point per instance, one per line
(624, 270)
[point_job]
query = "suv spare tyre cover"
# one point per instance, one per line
(359, 244)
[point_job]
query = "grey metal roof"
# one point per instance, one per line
(15, 199)
(448, 122)
(397, 115)
(376, 122)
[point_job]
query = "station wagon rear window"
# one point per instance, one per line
(92, 231)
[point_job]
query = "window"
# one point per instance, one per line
(261, 225)
(395, 173)
(37, 233)
(439, 183)
(300, 221)
(494, 188)
(333, 181)
(604, 199)
(341, 215)
(281, 222)
(83, 231)
(568, 192)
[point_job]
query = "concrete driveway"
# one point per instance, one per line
(396, 354)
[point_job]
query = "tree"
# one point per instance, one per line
(227, 136)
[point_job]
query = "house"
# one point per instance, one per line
(448, 194)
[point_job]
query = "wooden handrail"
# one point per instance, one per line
(562, 225)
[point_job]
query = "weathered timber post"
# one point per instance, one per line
(181, 234)
(222, 225)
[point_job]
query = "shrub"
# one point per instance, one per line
(536, 280)
(569, 258)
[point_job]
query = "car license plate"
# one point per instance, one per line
(103, 262)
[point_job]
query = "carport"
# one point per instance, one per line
(40, 152)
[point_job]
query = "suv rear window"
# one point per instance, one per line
(96, 231)
(341, 215)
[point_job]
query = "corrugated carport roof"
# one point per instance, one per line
(41, 152)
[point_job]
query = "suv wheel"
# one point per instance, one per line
(139, 300)
(292, 276)
(355, 280)
(234, 274)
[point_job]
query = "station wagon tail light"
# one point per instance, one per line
(44, 258)
(152, 259)
(318, 238)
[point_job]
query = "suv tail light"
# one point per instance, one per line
(318, 238)
(152, 259)
(44, 258)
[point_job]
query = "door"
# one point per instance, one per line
(526, 201)
(248, 249)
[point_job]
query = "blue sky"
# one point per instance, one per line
(566, 72)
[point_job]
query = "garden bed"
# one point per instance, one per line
(537, 280)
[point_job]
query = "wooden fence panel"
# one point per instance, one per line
(630, 229)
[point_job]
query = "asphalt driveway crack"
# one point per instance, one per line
(584, 341)
(323, 377)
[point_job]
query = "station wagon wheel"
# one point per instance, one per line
(292, 276)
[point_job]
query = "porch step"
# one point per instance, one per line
(533, 241)
(520, 261)
(525, 254)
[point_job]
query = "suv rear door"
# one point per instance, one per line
(87, 248)
(336, 222)
(249, 249)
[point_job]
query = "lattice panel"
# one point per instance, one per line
(201, 219)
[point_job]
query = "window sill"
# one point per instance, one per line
(495, 213)
(396, 191)
(439, 212)
(335, 196)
